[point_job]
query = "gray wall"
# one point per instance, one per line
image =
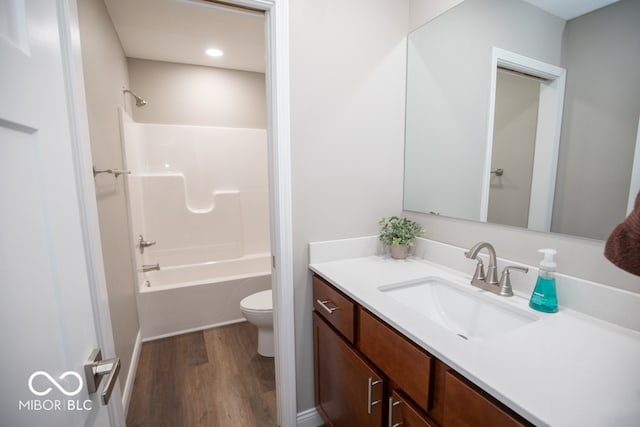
(105, 73)
(347, 120)
(600, 120)
(195, 95)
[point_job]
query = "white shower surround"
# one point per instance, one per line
(202, 194)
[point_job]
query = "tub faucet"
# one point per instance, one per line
(479, 279)
(144, 243)
(149, 267)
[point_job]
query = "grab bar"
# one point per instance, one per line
(115, 172)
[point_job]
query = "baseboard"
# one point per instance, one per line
(131, 375)
(197, 328)
(309, 418)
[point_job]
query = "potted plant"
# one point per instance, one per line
(399, 234)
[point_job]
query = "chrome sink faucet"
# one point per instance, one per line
(489, 282)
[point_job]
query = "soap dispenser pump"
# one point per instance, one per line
(544, 295)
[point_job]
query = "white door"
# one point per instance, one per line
(50, 319)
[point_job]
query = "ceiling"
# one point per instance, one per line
(569, 9)
(181, 30)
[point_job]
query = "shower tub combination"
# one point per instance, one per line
(201, 194)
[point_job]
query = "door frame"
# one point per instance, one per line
(278, 135)
(547, 145)
(634, 185)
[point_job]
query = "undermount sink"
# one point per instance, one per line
(468, 314)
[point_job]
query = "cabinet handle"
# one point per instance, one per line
(324, 305)
(391, 405)
(370, 404)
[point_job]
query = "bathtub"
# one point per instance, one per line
(186, 298)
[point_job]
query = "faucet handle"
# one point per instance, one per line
(505, 279)
(478, 275)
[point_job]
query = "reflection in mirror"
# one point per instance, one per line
(450, 116)
(514, 140)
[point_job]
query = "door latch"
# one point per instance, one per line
(95, 368)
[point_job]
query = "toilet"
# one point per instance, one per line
(258, 310)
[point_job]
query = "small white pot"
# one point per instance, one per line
(399, 251)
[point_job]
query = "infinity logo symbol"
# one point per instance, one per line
(55, 383)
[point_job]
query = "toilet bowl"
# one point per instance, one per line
(258, 310)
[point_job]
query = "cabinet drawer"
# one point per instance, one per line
(465, 405)
(335, 307)
(408, 366)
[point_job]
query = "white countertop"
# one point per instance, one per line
(565, 369)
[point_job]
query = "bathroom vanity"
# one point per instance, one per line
(382, 375)
(382, 357)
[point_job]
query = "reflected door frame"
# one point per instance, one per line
(547, 134)
(634, 186)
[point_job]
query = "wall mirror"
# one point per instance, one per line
(517, 116)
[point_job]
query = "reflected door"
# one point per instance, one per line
(514, 139)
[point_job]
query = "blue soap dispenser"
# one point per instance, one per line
(544, 295)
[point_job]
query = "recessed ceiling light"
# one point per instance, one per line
(214, 52)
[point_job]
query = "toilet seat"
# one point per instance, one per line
(260, 301)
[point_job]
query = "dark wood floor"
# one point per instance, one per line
(207, 378)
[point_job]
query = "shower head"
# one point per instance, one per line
(139, 101)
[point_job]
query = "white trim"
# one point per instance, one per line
(545, 156)
(195, 329)
(547, 143)
(127, 389)
(486, 170)
(309, 418)
(634, 186)
(277, 72)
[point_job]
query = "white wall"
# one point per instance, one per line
(347, 114)
(204, 192)
(105, 73)
(196, 95)
(422, 11)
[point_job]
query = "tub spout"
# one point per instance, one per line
(150, 267)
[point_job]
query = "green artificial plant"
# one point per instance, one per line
(399, 231)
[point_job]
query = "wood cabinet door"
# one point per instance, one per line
(466, 406)
(403, 413)
(349, 392)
